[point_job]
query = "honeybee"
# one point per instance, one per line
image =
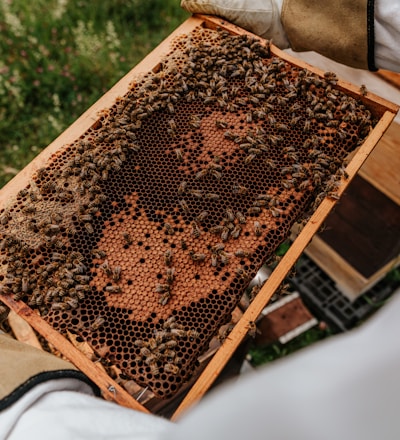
(236, 231)
(106, 268)
(241, 273)
(144, 351)
(257, 228)
(195, 229)
(140, 343)
(5, 217)
(281, 127)
(127, 238)
(225, 233)
(217, 248)
(89, 228)
(179, 155)
(192, 333)
(184, 206)
(212, 196)
(98, 253)
(252, 329)
(331, 77)
(164, 298)
(82, 278)
(276, 212)
(55, 305)
(304, 184)
(239, 189)
(216, 229)
(225, 257)
(182, 187)
(116, 273)
(169, 229)
(271, 164)
(202, 173)
(295, 108)
(202, 216)
(242, 253)
(22, 193)
(168, 257)
(85, 218)
(254, 210)
(254, 291)
(180, 333)
(216, 174)
(113, 289)
(295, 120)
(230, 135)
(195, 121)
(171, 368)
(162, 288)
(197, 257)
(171, 108)
(97, 323)
(71, 302)
(169, 322)
(288, 183)
(169, 354)
(170, 275)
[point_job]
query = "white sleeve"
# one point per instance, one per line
(66, 409)
(387, 34)
(347, 387)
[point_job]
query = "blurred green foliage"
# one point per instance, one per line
(57, 57)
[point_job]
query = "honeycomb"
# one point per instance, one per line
(142, 235)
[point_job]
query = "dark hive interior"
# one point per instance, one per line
(142, 235)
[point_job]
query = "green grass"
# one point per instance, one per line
(271, 352)
(58, 57)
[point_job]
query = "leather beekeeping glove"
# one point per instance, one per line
(342, 30)
(22, 367)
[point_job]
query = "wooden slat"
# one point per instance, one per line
(111, 390)
(22, 331)
(382, 167)
(389, 76)
(350, 282)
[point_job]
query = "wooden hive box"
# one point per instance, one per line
(139, 228)
(360, 242)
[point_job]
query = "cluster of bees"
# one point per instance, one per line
(59, 284)
(162, 347)
(289, 131)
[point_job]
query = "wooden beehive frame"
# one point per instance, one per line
(110, 388)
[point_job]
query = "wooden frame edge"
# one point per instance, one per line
(111, 390)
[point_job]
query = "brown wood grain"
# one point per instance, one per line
(382, 167)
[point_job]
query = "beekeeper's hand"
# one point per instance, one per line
(262, 17)
(342, 29)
